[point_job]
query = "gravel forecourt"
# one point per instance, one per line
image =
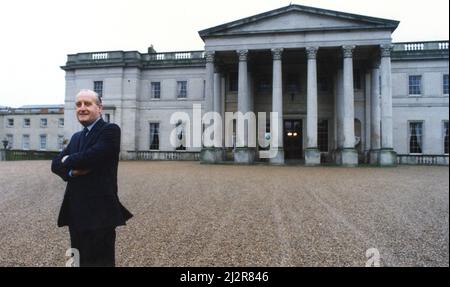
(189, 214)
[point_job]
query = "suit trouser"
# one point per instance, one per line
(96, 247)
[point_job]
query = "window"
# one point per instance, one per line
(322, 135)
(26, 123)
(43, 123)
(10, 139)
(446, 137)
(26, 142)
(445, 84)
(154, 136)
(155, 90)
(107, 118)
(98, 88)
(264, 84)
(415, 85)
(60, 142)
(182, 89)
(415, 137)
(10, 122)
(43, 142)
(233, 82)
(61, 122)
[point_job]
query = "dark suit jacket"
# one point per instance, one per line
(91, 201)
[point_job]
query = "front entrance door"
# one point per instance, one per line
(293, 143)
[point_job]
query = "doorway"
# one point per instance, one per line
(293, 139)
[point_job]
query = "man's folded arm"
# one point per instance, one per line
(106, 146)
(57, 166)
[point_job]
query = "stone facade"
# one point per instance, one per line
(334, 78)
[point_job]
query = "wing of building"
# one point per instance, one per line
(342, 91)
(32, 127)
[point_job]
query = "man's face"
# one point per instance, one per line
(87, 109)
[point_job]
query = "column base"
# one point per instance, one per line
(277, 156)
(312, 157)
(347, 157)
(388, 157)
(212, 155)
(374, 157)
(244, 155)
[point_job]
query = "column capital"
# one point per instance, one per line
(277, 53)
(386, 50)
(209, 56)
(311, 52)
(243, 55)
(348, 51)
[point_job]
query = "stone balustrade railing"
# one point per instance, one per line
(421, 46)
(164, 155)
(423, 159)
(175, 56)
(122, 56)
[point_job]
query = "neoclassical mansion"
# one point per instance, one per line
(343, 93)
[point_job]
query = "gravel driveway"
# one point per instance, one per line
(188, 214)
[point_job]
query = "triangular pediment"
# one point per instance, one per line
(296, 18)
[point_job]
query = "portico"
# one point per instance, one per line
(305, 71)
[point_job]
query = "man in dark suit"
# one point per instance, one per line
(91, 207)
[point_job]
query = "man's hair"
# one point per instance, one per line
(98, 99)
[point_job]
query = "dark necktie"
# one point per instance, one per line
(83, 137)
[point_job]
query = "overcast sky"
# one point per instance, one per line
(36, 36)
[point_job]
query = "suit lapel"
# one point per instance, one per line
(80, 134)
(91, 135)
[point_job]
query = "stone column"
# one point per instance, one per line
(217, 108)
(388, 157)
(312, 153)
(208, 154)
(375, 114)
(340, 109)
(338, 115)
(349, 156)
(243, 153)
(223, 107)
(367, 94)
(209, 81)
(277, 107)
(217, 100)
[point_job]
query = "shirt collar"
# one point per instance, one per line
(89, 127)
